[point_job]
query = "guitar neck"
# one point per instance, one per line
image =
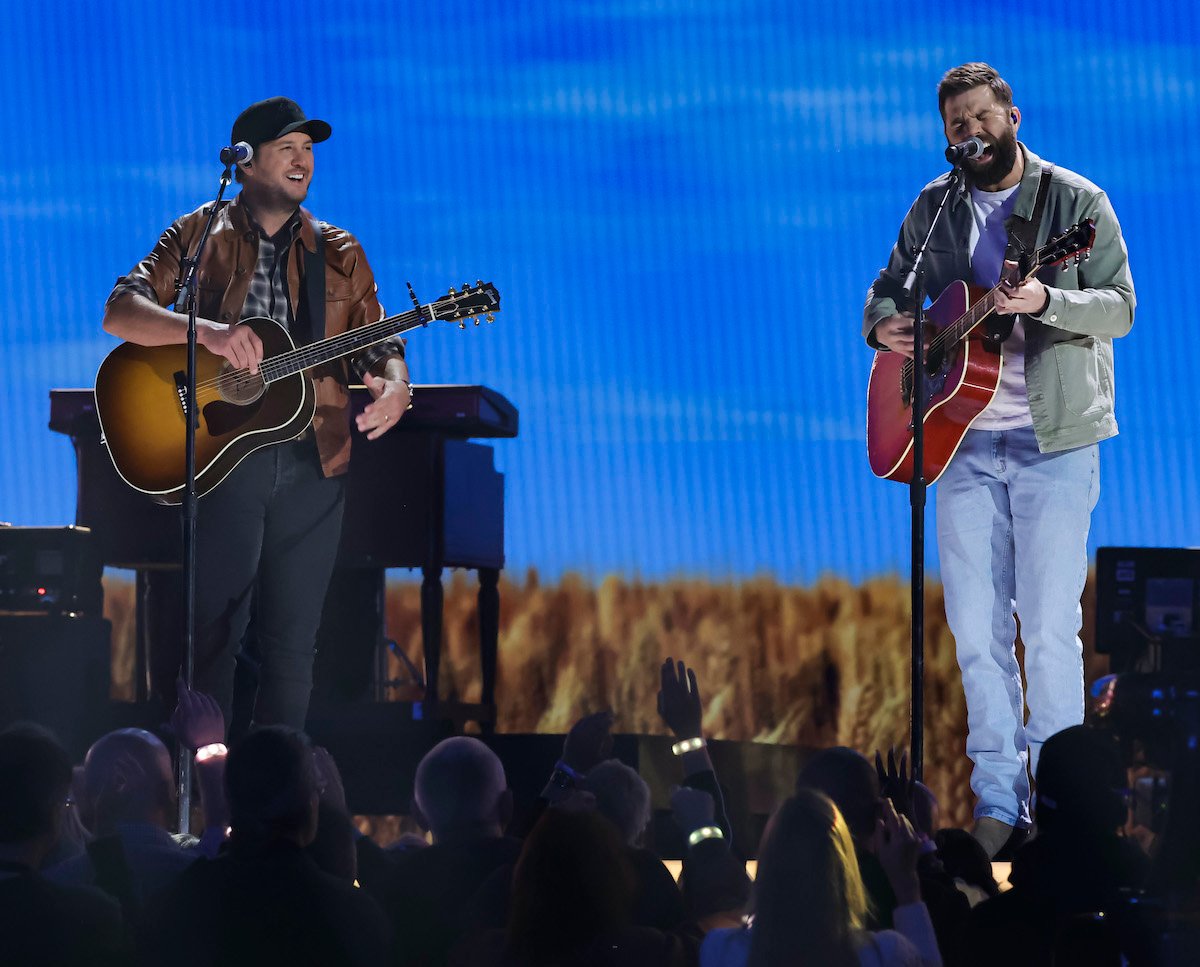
(343, 344)
(973, 317)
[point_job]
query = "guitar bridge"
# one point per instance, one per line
(181, 391)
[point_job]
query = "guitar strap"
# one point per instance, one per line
(311, 318)
(1022, 242)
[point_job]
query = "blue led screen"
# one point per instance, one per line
(682, 204)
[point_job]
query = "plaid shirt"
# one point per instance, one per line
(268, 295)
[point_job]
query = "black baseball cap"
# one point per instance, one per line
(273, 118)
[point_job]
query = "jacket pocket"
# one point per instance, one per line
(1078, 374)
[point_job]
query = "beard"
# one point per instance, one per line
(996, 168)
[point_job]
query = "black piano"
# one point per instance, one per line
(422, 496)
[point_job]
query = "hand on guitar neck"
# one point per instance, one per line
(1013, 296)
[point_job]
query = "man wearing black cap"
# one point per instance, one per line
(270, 529)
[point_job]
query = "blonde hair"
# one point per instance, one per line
(808, 895)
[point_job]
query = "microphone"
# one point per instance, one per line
(971, 148)
(237, 154)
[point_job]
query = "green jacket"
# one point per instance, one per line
(1068, 347)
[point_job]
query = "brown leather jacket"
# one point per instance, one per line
(226, 269)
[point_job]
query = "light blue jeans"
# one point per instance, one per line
(1012, 525)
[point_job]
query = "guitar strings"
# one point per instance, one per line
(377, 331)
(987, 304)
(281, 365)
(1051, 253)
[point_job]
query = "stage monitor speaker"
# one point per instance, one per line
(56, 671)
(1148, 607)
(50, 570)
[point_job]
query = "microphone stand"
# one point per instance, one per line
(917, 488)
(186, 287)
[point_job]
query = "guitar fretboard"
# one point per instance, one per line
(343, 344)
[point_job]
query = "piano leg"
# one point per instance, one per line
(431, 629)
(489, 633)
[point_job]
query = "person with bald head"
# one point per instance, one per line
(461, 797)
(461, 793)
(128, 803)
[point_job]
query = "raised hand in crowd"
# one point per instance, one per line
(692, 809)
(199, 725)
(898, 849)
(682, 711)
(679, 704)
(329, 780)
(895, 783)
(197, 719)
(589, 742)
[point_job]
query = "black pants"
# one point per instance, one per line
(268, 533)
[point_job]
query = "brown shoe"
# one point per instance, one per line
(992, 834)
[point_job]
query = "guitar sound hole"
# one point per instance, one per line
(935, 360)
(239, 387)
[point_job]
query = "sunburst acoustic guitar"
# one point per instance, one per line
(141, 395)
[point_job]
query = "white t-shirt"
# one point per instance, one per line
(1009, 408)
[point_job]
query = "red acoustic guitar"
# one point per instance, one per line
(961, 372)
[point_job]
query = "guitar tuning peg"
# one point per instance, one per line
(452, 291)
(461, 324)
(477, 320)
(479, 282)
(1066, 265)
(1087, 255)
(465, 287)
(490, 317)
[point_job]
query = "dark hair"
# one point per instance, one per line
(808, 896)
(964, 858)
(718, 883)
(35, 775)
(963, 78)
(333, 849)
(270, 780)
(572, 884)
(1078, 777)
(846, 777)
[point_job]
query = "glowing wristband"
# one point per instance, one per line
(211, 751)
(705, 832)
(688, 745)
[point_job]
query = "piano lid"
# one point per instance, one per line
(461, 411)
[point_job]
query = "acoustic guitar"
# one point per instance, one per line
(961, 371)
(141, 395)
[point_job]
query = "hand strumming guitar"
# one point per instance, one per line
(238, 344)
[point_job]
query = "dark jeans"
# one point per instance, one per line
(268, 533)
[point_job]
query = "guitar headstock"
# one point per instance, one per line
(1075, 242)
(480, 299)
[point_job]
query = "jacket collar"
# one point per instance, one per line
(1027, 193)
(239, 219)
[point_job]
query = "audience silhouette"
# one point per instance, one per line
(853, 868)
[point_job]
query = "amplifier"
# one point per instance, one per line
(50, 570)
